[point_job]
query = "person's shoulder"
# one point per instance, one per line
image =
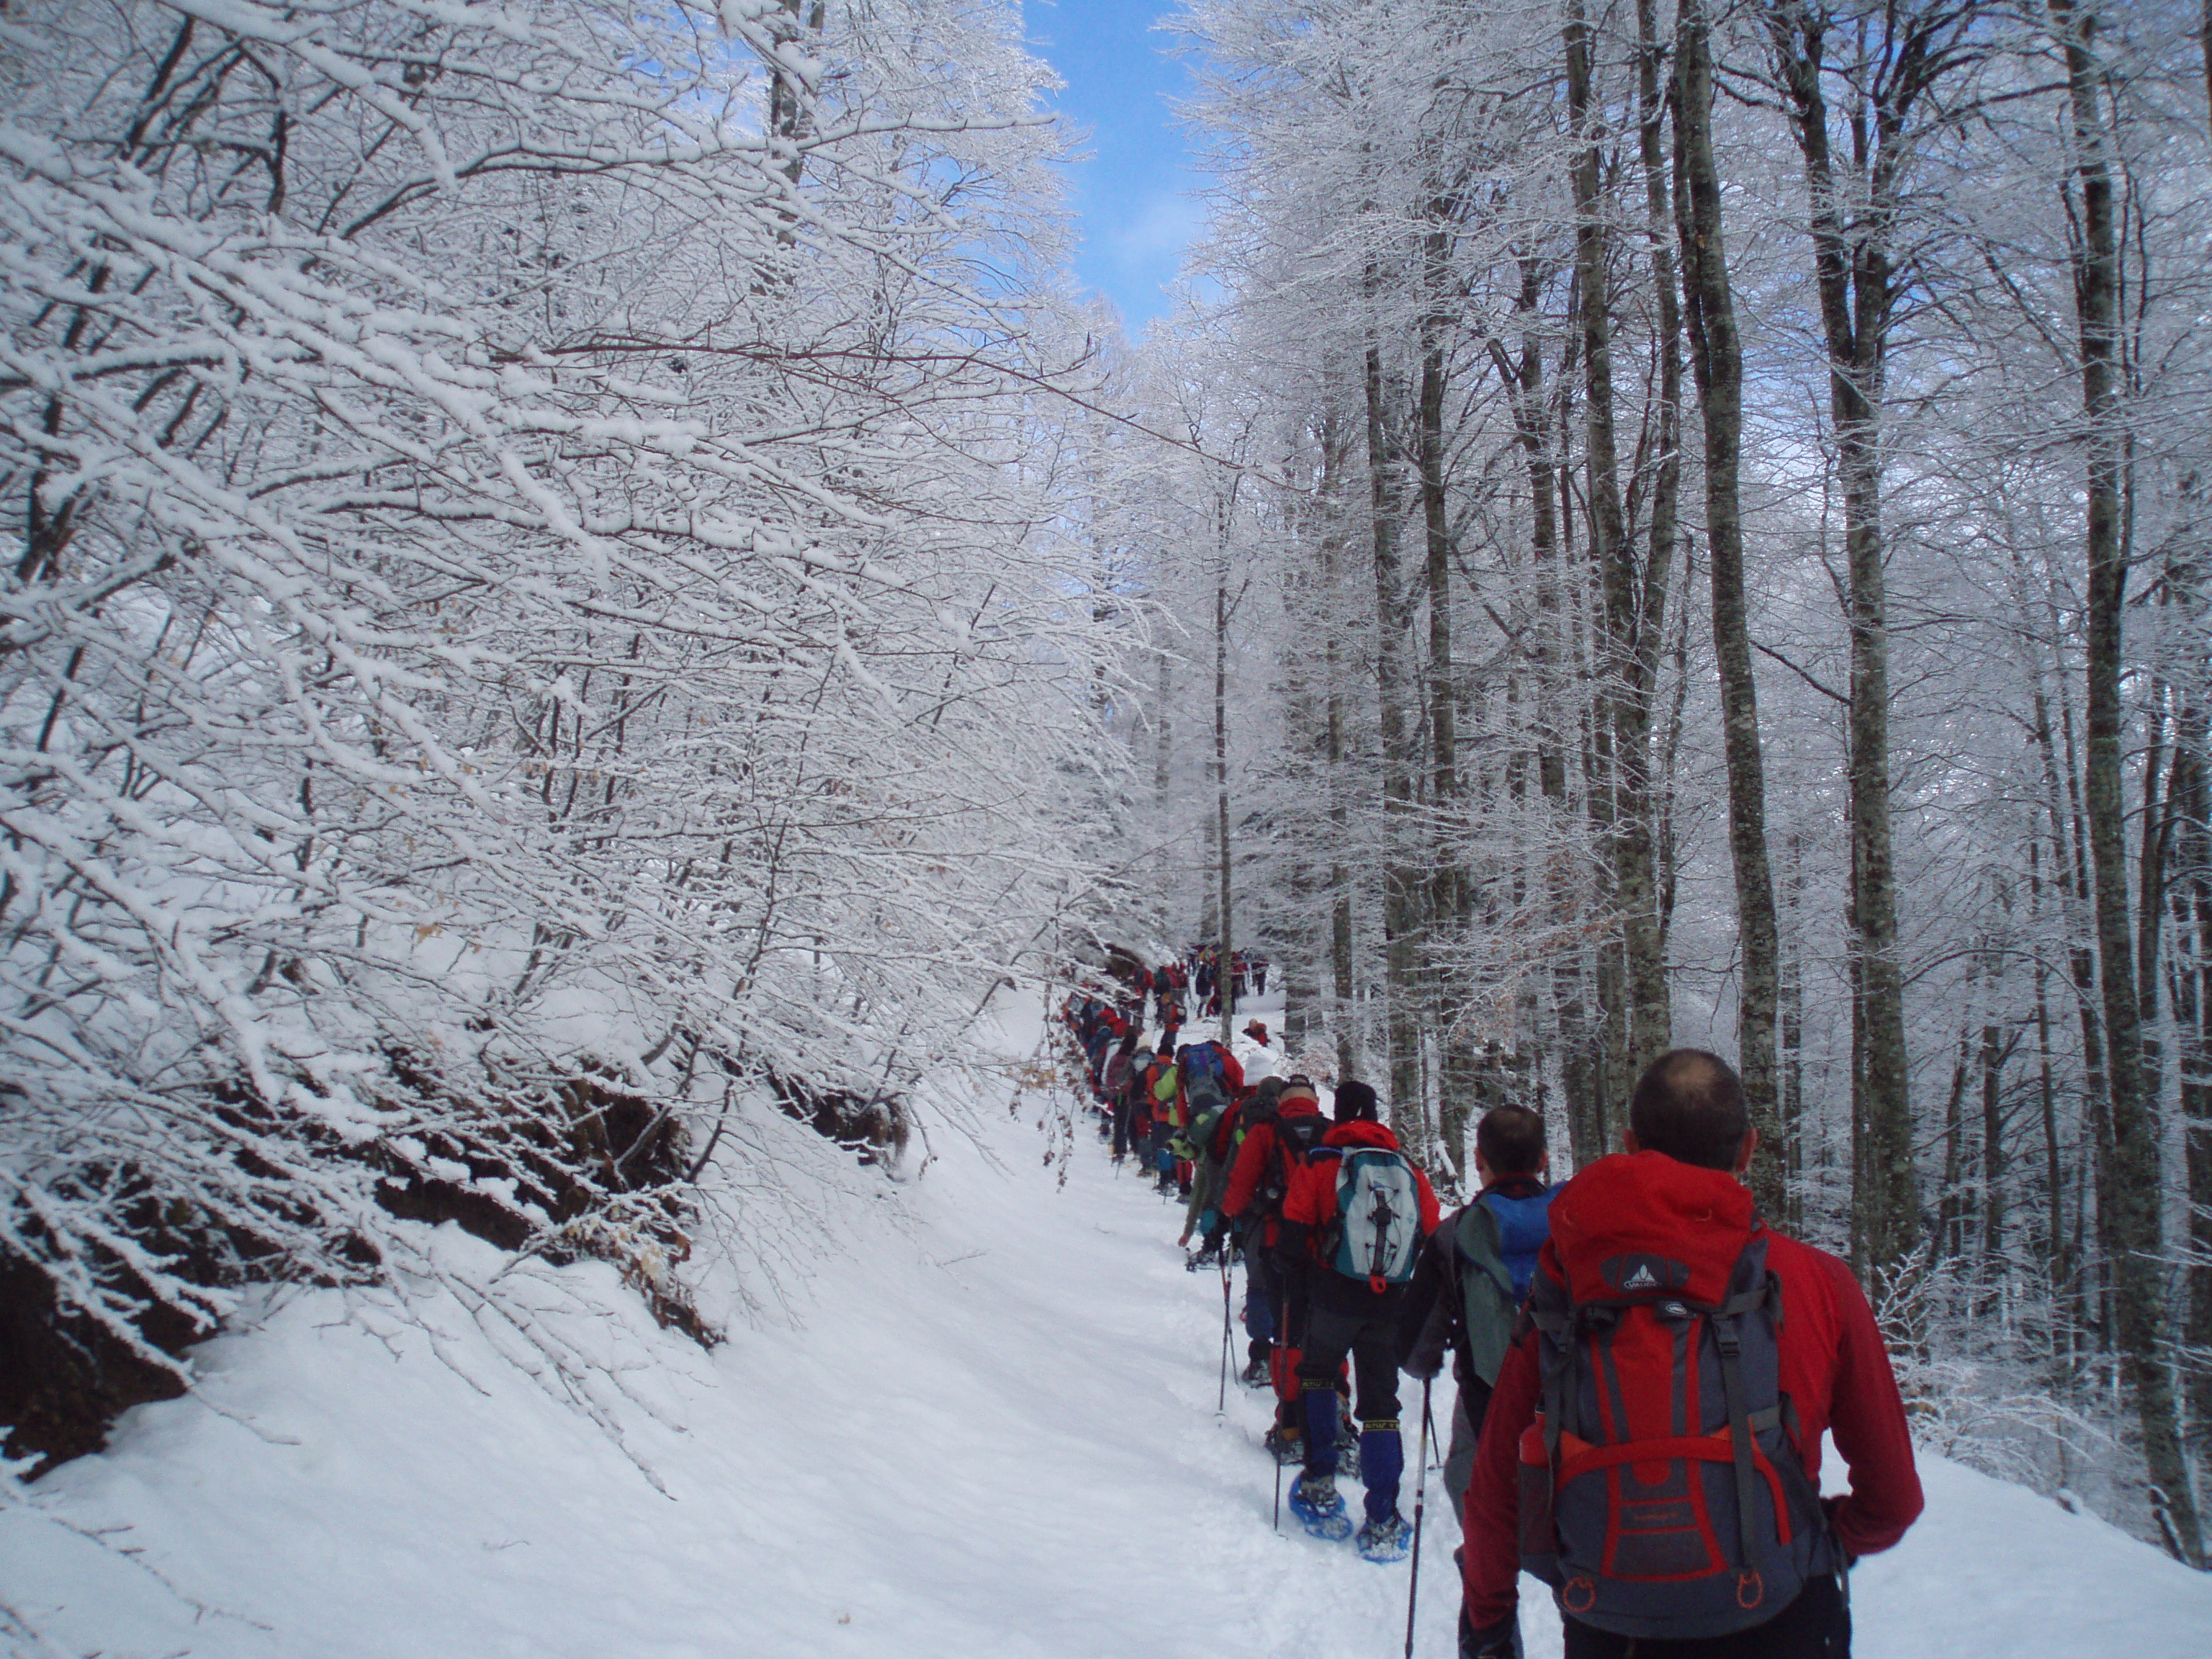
(1807, 1269)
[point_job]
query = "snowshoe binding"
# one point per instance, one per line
(1255, 1373)
(1319, 1510)
(1385, 1540)
(1347, 1452)
(1289, 1449)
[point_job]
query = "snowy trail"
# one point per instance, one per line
(991, 1433)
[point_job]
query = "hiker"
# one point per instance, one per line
(1353, 1223)
(1107, 1027)
(1210, 1078)
(1473, 1275)
(1260, 976)
(1260, 1062)
(1276, 1146)
(1167, 1118)
(1114, 1080)
(1128, 1104)
(1659, 1263)
(1212, 1143)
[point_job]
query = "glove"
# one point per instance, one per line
(1828, 1508)
(1499, 1641)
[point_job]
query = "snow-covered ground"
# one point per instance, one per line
(986, 1432)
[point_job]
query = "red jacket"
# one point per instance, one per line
(1834, 1368)
(1251, 1166)
(1311, 1199)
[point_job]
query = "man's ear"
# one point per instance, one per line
(1750, 1146)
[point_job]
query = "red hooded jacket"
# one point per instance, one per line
(1834, 1368)
(1252, 1159)
(1311, 1199)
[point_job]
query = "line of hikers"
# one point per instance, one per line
(1636, 1422)
(1197, 976)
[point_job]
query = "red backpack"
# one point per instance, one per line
(1661, 1491)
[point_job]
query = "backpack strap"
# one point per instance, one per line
(1748, 1588)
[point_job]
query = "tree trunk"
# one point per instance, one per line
(1627, 859)
(2054, 1177)
(1446, 897)
(2189, 901)
(1340, 818)
(1534, 429)
(1224, 971)
(1163, 754)
(1644, 939)
(2070, 878)
(2192, 915)
(1790, 1067)
(2134, 1195)
(2205, 46)
(1717, 358)
(1857, 287)
(1994, 1053)
(1401, 898)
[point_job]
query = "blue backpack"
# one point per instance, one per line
(1205, 1081)
(1498, 1239)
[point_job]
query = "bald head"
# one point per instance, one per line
(1689, 1104)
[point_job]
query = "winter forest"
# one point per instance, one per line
(591, 594)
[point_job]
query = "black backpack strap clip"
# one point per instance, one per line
(1742, 1446)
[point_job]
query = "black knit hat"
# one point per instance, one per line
(1355, 1103)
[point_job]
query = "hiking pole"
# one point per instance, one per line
(1222, 1404)
(1420, 1507)
(1428, 1433)
(1279, 1478)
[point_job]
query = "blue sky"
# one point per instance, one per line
(1133, 197)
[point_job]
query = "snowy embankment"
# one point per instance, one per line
(987, 1430)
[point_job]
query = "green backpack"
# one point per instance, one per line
(1485, 1289)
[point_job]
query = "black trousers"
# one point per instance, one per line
(1816, 1625)
(1357, 1324)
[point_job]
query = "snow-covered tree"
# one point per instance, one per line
(535, 628)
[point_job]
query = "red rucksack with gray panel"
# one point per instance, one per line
(1661, 1491)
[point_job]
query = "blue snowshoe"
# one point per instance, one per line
(1385, 1540)
(1319, 1510)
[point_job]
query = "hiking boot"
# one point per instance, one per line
(1319, 1510)
(1347, 1451)
(1384, 1539)
(1289, 1449)
(1255, 1373)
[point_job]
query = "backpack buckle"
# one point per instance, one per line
(1750, 1588)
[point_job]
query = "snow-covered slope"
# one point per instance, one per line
(990, 1433)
